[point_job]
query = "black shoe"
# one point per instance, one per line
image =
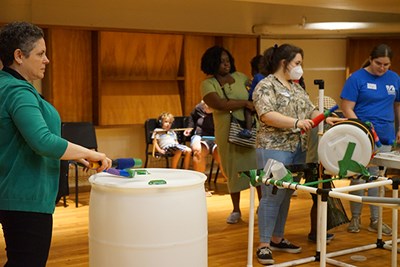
(285, 246)
(313, 237)
(264, 256)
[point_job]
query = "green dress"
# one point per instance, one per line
(234, 159)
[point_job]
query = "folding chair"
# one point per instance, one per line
(150, 125)
(81, 133)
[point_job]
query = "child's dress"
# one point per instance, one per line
(168, 140)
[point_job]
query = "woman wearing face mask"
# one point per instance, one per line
(284, 109)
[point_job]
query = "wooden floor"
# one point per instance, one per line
(227, 244)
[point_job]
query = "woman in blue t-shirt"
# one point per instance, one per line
(372, 94)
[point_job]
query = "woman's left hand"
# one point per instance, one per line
(332, 120)
(250, 105)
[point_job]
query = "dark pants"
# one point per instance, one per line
(314, 210)
(27, 236)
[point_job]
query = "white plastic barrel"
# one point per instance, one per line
(333, 145)
(133, 223)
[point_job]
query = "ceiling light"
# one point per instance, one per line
(336, 25)
(326, 28)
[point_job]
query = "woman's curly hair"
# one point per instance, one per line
(18, 35)
(211, 60)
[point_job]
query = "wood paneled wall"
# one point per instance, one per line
(195, 46)
(123, 78)
(358, 51)
(243, 50)
(140, 56)
(139, 76)
(68, 78)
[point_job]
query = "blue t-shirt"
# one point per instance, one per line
(374, 97)
(258, 77)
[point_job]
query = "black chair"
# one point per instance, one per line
(150, 125)
(81, 133)
(186, 139)
(181, 122)
(63, 187)
(211, 171)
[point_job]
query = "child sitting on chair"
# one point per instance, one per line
(165, 141)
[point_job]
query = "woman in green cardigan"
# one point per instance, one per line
(30, 148)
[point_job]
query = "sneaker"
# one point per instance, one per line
(234, 217)
(245, 133)
(313, 237)
(285, 246)
(264, 256)
(354, 225)
(373, 227)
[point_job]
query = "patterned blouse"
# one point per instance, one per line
(271, 95)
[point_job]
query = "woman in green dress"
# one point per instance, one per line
(219, 64)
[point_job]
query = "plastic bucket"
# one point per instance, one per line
(135, 223)
(334, 142)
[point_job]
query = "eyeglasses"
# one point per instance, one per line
(381, 64)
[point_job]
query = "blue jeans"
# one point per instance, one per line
(274, 208)
(356, 207)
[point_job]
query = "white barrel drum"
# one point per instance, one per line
(333, 144)
(157, 218)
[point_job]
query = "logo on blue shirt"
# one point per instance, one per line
(391, 90)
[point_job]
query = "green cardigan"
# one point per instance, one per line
(30, 148)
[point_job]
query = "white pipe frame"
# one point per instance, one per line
(321, 253)
(393, 203)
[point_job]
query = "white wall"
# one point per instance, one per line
(122, 142)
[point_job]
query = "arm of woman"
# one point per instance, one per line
(329, 120)
(214, 101)
(397, 118)
(348, 108)
(191, 123)
(278, 120)
(43, 137)
(84, 156)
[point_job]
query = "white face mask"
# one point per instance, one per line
(296, 73)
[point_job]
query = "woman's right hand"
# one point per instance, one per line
(106, 163)
(305, 125)
(87, 157)
(102, 162)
